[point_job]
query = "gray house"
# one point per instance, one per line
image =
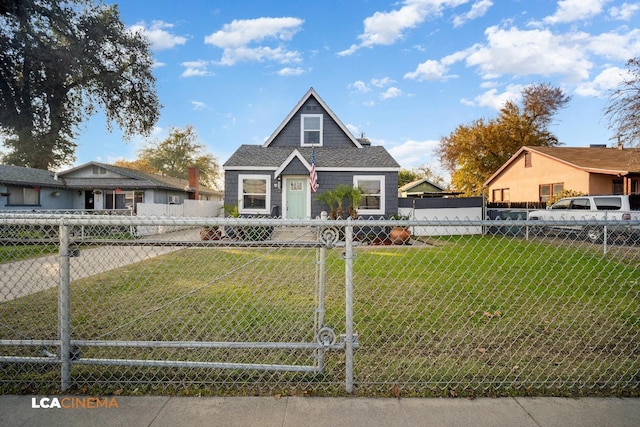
(275, 178)
(30, 189)
(94, 186)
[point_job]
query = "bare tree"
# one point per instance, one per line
(623, 109)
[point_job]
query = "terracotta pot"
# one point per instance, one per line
(400, 235)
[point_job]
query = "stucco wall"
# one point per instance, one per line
(523, 182)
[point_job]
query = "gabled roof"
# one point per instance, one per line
(295, 154)
(258, 157)
(18, 175)
(312, 93)
(412, 185)
(608, 161)
(132, 179)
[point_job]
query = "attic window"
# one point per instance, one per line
(527, 159)
(97, 170)
(311, 130)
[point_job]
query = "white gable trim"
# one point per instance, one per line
(294, 154)
(311, 92)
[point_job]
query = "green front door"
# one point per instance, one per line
(297, 191)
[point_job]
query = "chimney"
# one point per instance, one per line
(194, 183)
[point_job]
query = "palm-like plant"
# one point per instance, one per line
(329, 198)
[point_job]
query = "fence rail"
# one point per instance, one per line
(258, 305)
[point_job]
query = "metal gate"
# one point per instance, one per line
(188, 317)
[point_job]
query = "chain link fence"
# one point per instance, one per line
(372, 307)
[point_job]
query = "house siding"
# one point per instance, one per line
(326, 180)
(333, 136)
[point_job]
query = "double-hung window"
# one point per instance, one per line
(372, 200)
(311, 130)
(254, 191)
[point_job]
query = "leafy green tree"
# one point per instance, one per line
(180, 151)
(473, 152)
(623, 109)
(60, 62)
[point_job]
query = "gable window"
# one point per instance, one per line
(372, 201)
(527, 159)
(311, 130)
(254, 192)
(97, 170)
(23, 196)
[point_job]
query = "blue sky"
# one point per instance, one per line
(403, 72)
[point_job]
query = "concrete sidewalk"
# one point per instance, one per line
(159, 411)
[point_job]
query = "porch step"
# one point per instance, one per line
(294, 234)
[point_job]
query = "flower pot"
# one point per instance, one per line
(400, 235)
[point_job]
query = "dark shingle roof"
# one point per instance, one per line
(272, 157)
(18, 175)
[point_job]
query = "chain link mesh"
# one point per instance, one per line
(257, 306)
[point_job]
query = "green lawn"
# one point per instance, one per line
(462, 316)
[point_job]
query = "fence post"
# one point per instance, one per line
(348, 257)
(64, 309)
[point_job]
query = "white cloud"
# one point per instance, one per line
(495, 100)
(616, 46)
(287, 71)
(412, 153)
(386, 28)
(478, 10)
(392, 92)
(157, 33)
(237, 40)
(360, 86)
(531, 52)
(430, 70)
(625, 12)
(382, 82)
(199, 105)
(196, 69)
(576, 10)
(605, 81)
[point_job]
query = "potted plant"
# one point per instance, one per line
(399, 235)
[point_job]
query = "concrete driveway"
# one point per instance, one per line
(22, 278)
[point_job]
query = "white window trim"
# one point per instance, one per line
(241, 208)
(302, 117)
(380, 178)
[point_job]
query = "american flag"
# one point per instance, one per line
(313, 175)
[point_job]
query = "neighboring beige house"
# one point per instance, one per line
(537, 173)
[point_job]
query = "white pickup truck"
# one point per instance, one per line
(619, 208)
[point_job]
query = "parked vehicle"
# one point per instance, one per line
(620, 208)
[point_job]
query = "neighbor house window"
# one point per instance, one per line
(547, 191)
(372, 201)
(254, 194)
(501, 195)
(23, 196)
(311, 130)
